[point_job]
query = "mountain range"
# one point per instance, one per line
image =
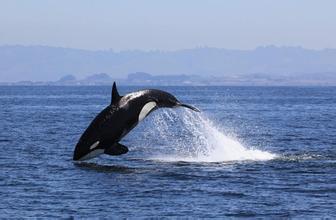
(43, 63)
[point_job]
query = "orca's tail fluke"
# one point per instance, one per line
(190, 107)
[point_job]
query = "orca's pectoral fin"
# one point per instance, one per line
(116, 149)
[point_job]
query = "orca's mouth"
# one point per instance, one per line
(189, 106)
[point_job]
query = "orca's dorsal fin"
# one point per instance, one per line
(115, 97)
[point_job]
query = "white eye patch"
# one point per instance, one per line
(94, 145)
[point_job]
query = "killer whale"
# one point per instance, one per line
(118, 119)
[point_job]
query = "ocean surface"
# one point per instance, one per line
(258, 152)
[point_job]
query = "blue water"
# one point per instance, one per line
(252, 152)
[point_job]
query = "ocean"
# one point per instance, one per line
(257, 152)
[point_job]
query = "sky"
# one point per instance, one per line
(168, 25)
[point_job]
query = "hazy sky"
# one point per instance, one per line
(168, 25)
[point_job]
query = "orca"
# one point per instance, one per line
(114, 122)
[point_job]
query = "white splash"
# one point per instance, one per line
(192, 137)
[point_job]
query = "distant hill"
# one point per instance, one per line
(41, 63)
(95, 79)
(67, 79)
(147, 79)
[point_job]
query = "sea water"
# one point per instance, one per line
(267, 152)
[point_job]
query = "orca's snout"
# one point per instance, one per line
(190, 107)
(78, 153)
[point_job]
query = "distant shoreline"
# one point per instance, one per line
(126, 85)
(267, 65)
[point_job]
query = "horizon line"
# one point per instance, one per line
(167, 50)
